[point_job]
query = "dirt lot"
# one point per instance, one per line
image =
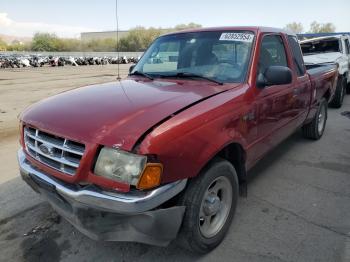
(297, 209)
(20, 88)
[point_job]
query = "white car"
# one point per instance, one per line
(331, 49)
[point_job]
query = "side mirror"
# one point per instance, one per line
(131, 68)
(275, 75)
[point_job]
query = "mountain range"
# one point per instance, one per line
(10, 38)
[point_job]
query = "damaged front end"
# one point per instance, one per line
(135, 216)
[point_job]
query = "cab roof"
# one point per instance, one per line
(255, 29)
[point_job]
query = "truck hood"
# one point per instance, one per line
(116, 113)
(322, 58)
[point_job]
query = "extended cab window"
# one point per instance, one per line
(298, 60)
(272, 53)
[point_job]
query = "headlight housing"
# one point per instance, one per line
(120, 166)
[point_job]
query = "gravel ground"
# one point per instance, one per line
(297, 209)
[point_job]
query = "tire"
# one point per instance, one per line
(202, 230)
(315, 129)
(340, 91)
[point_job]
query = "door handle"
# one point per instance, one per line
(296, 91)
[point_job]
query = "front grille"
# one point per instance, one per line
(56, 152)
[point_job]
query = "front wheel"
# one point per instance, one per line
(210, 201)
(315, 129)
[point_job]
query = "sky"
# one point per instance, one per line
(67, 18)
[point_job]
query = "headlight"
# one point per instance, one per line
(120, 165)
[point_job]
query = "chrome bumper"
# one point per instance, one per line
(133, 216)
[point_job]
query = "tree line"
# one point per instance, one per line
(138, 39)
(315, 27)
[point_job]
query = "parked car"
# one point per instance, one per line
(165, 153)
(331, 49)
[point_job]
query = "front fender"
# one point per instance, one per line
(186, 142)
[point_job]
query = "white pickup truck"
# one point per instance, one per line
(331, 49)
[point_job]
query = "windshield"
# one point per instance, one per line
(320, 46)
(220, 55)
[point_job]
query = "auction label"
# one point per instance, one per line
(237, 37)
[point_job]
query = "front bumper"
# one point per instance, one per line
(101, 215)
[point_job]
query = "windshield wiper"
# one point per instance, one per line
(138, 73)
(192, 75)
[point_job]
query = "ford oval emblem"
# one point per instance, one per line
(47, 149)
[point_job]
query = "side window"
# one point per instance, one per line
(272, 53)
(347, 46)
(298, 60)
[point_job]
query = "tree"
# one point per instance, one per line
(322, 28)
(294, 27)
(68, 44)
(18, 47)
(46, 42)
(3, 45)
(139, 39)
(188, 26)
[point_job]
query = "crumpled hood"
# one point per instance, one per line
(116, 113)
(322, 58)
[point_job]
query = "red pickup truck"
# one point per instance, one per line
(166, 152)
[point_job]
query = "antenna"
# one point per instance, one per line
(116, 18)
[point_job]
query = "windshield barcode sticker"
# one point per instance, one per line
(237, 37)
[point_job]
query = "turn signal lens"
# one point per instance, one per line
(151, 176)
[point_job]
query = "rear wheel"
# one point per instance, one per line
(315, 129)
(210, 201)
(340, 91)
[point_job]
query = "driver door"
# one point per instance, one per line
(274, 102)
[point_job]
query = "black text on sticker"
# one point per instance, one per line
(236, 37)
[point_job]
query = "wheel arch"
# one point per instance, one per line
(236, 155)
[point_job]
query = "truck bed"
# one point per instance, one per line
(314, 69)
(323, 77)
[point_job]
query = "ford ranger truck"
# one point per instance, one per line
(330, 49)
(164, 153)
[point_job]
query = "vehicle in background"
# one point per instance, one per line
(18, 61)
(166, 151)
(331, 49)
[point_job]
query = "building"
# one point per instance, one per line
(88, 36)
